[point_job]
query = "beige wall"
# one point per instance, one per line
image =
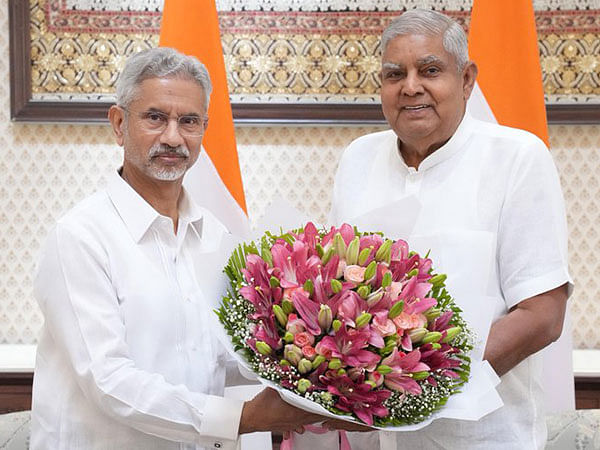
(45, 169)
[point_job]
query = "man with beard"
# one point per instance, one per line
(127, 359)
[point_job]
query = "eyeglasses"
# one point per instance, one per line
(153, 121)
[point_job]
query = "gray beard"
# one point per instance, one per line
(167, 173)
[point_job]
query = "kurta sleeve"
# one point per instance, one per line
(532, 232)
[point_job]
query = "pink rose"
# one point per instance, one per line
(354, 274)
(309, 352)
(409, 321)
(303, 339)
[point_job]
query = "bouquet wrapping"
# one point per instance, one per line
(349, 324)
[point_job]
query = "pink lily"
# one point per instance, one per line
(358, 397)
(295, 265)
(349, 346)
(349, 307)
(403, 365)
(308, 310)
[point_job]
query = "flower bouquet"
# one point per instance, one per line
(351, 321)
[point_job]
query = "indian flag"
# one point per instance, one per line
(215, 182)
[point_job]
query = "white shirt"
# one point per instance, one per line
(490, 198)
(126, 359)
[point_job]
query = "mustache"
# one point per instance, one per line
(161, 149)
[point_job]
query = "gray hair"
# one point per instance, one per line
(430, 23)
(161, 62)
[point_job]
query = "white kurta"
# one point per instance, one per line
(127, 359)
(491, 211)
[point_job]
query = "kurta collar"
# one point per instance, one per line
(139, 216)
(450, 148)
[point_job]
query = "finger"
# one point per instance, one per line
(287, 435)
(299, 430)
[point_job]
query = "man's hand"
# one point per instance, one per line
(268, 412)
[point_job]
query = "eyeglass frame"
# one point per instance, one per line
(203, 121)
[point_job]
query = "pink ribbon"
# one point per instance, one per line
(288, 444)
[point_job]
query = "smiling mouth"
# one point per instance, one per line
(415, 107)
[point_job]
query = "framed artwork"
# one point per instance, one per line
(288, 61)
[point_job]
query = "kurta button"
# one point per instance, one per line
(218, 445)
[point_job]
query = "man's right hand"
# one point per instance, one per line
(268, 412)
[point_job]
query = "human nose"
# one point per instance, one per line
(412, 85)
(171, 134)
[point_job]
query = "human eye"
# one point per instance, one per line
(154, 118)
(432, 70)
(392, 74)
(189, 121)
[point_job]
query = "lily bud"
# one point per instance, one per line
(336, 286)
(281, 317)
(325, 318)
(370, 270)
(383, 369)
(304, 366)
(352, 251)
(266, 255)
(335, 363)
(339, 245)
(341, 372)
(263, 348)
(319, 359)
(309, 286)
(364, 255)
(384, 251)
(336, 325)
(432, 336)
(432, 313)
(438, 279)
(374, 298)
(303, 385)
(451, 334)
(388, 349)
(412, 273)
(274, 282)
(327, 256)
(435, 346)
(292, 353)
(396, 309)
(417, 334)
(420, 375)
(363, 320)
(288, 337)
(363, 291)
(284, 362)
(386, 280)
(287, 306)
(371, 383)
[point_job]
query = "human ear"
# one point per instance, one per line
(469, 75)
(116, 116)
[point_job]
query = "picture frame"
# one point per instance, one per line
(24, 108)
